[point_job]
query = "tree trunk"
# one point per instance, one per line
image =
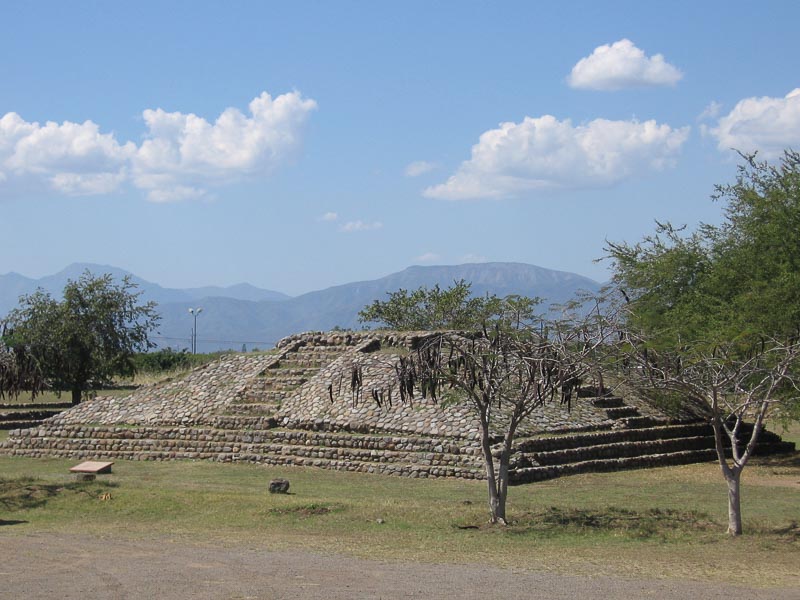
(734, 503)
(76, 396)
(497, 505)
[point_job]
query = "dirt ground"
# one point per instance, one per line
(83, 567)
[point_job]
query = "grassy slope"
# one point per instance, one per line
(650, 523)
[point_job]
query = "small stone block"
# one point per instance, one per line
(85, 476)
(279, 486)
(92, 466)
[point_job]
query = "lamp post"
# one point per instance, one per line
(194, 312)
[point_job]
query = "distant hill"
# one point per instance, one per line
(13, 285)
(247, 315)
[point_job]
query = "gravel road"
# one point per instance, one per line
(83, 567)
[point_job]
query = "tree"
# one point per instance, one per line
(715, 314)
(436, 309)
(510, 367)
(81, 342)
(19, 372)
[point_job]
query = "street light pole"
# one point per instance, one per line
(194, 312)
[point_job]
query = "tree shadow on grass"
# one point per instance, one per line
(12, 522)
(645, 524)
(27, 493)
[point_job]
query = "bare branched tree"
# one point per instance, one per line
(505, 372)
(737, 386)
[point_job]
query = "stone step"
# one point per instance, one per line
(36, 406)
(259, 395)
(283, 372)
(243, 422)
(640, 422)
(281, 385)
(251, 409)
(531, 474)
(622, 412)
(614, 450)
(28, 415)
(19, 424)
(608, 402)
(580, 440)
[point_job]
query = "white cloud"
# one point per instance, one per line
(184, 150)
(182, 154)
(711, 111)
(329, 216)
(622, 65)
(352, 226)
(766, 124)
(73, 158)
(419, 167)
(428, 257)
(545, 153)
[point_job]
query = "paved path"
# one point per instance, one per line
(43, 566)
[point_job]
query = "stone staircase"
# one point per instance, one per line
(542, 458)
(261, 402)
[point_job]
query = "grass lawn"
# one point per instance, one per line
(667, 522)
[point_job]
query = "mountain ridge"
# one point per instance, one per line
(230, 322)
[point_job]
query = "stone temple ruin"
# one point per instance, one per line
(294, 407)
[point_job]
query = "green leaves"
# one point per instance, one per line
(88, 337)
(738, 280)
(453, 308)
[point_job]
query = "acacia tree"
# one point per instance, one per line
(736, 385)
(453, 308)
(84, 340)
(715, 314)
(505, 371)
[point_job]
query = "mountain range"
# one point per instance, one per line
(247, 316)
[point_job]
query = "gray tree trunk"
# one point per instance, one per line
(734, 503)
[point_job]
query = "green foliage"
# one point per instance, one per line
(163, 360)
(81, 342)
(452, 308)
(737, 282)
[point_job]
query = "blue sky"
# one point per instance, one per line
(306, 144)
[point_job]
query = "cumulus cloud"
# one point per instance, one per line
(329, 216)
(768, 125)
(622, 65)
(73, 158)
(419, 167)
(353, 226)
(428, 257)
(181, 156)
(545, 153)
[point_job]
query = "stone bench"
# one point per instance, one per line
(88, 471)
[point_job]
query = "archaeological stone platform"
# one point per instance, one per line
(295, 406)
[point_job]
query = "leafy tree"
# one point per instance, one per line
(436, 309)
(715, 314)
(81, 342)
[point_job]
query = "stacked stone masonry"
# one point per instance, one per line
(295, 406)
